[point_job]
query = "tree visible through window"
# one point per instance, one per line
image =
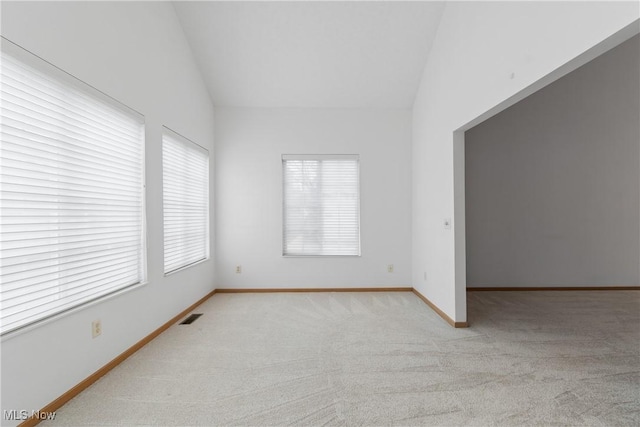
(321, 207)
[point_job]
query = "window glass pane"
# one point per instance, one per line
(321, 205)
(185, 175)
(71, 192)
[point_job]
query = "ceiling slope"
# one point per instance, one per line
(311, 54)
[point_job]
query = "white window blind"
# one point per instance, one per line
(185, 175)
(321, 205)
(71, 187)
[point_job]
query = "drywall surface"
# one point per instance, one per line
(484, 54)
(136, 53)
(553, 184)
(320, 54)
(249, 148)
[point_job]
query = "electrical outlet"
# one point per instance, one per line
(425, 276)
(238, 269)
(96, 328)
(390, 268)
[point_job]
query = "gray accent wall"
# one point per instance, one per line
(553, 182)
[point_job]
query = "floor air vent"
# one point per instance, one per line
(189, 320)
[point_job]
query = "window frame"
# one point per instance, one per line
(166, 131)
(321, 157)
(71, 83)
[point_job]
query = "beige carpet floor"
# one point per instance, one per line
(529, 358)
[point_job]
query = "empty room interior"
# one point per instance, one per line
(320, 213)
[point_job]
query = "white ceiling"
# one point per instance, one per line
(311, 54)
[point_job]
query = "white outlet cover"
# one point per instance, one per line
(96, 328)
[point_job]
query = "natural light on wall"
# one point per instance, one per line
(321, 205)
(185, 178)
(72, 192)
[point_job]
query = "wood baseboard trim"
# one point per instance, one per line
(555, 288)
(280, 290)
(441, 313)
(78, 388)
(73, 392)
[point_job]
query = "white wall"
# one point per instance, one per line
(552, 182)
(136, 53)
(249, 146)
(485, 56)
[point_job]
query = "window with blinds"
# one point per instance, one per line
(71, 192)
(321, 205)
(185, 177)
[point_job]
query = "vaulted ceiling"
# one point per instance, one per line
(347, 54)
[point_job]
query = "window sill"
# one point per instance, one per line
(321, 256)
(56, 317)
(184, 267)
